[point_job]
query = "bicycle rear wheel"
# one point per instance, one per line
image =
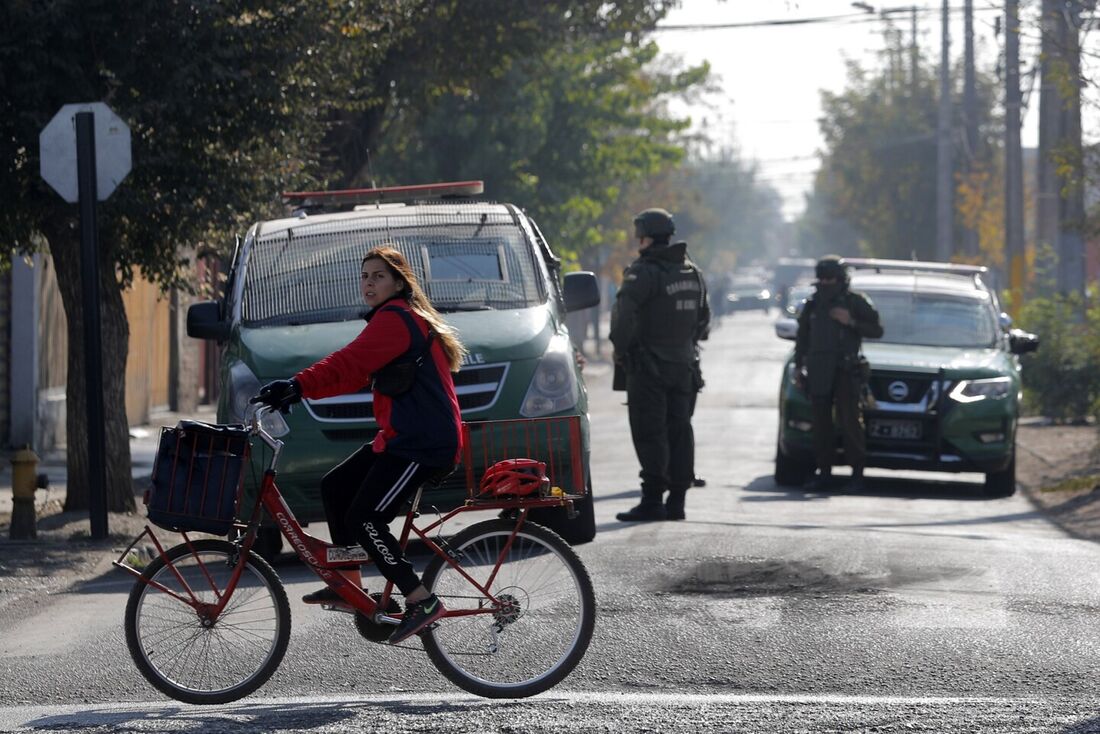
(538, 629)
(202, 662)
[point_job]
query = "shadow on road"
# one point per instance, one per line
(873, 486)
(254, 717)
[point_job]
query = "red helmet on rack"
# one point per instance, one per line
(514, 478)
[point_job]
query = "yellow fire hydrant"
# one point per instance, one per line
(24, 470)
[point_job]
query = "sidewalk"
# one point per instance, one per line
(143, 448)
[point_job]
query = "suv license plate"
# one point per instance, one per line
(895, 429)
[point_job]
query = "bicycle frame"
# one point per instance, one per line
(326, 559)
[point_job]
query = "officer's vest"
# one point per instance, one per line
(668, 321)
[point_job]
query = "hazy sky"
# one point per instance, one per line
(771, 75)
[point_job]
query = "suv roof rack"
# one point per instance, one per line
(344, 198)
(924, 266)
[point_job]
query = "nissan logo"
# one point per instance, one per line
(898, 391)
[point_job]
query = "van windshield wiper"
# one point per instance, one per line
(453, 307)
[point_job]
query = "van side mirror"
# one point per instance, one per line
(1022, 342)
(581, 290)
(204, 321)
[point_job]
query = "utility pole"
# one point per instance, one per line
(1050, 121)
(1061, 197)
(1014, 167)
(914, 51)
(945, 188)
(1071, 242)
(970, 114)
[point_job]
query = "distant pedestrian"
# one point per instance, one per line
(828, 363)
(660, 314)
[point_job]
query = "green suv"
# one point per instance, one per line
(944, 391)
(292, 297)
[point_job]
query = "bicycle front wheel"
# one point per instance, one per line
(203, 661)
(537, 629)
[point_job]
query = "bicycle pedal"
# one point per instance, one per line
(338, 608)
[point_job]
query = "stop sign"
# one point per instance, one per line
(57, 150)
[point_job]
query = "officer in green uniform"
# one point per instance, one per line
(831, 329)
(660, 313)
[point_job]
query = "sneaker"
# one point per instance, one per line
(642, 513)
(698, 481)
(326, 595)
(417, 617)
(674, 512)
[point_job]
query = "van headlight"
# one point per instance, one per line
(970, 391)
(554, 386)
(243, 386)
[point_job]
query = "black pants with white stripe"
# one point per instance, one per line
(362, 496)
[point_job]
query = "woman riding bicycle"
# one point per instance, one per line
(405, 340)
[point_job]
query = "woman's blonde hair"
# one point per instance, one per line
(400, 269)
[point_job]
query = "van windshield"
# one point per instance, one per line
(468, 259)
(935, 319)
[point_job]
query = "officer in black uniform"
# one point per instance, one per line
(660, 314)
(831, 329)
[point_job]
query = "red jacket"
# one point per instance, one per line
(424, 423)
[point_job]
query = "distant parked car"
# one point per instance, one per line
(748, 297)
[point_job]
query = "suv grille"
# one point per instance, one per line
(477, 387)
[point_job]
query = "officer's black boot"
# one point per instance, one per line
(674, 504)
(855, 484)
(650, 509)
(820, 482)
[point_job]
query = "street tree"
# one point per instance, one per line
(878, 172)
(223, 109)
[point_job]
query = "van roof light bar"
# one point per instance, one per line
(312, 200)
(924, 266)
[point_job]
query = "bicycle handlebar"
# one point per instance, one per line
(255, 426)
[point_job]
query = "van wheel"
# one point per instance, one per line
(579, 530)
(790, 472)
(1001, 483)
(268, 545)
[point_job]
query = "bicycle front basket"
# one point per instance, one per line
(197, 477)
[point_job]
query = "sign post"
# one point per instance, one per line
(85, 165)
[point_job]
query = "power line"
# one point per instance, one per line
(846, 18)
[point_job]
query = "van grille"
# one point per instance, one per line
(477, 388)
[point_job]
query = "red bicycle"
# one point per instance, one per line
(208, 620)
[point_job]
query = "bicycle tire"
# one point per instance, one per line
(524, 649)
(199, 664)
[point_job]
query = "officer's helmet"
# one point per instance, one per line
(655, 223)
(831, 266)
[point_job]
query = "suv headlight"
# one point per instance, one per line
(243, 386)
(554, 386)
(970, 391)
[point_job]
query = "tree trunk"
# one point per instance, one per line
(65, 250)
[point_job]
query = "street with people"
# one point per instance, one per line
(766, 609)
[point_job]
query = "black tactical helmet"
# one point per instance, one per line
(655, 223)
(831, 266)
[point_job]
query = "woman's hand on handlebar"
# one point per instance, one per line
(279, 394)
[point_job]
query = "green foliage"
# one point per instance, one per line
(218, 97)
(1062, 379)
(878, 173)
(559, 134)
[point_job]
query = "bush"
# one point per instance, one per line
(1062, 379)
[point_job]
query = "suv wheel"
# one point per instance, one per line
(1001, 483)
(790, 472)
(579, 530)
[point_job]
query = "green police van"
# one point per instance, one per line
(292, 297)
(944, 388)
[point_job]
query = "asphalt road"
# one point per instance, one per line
(914, 606)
